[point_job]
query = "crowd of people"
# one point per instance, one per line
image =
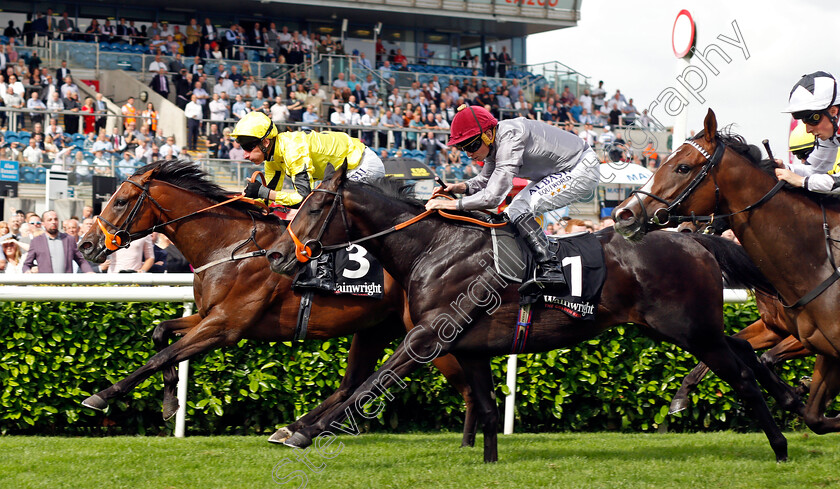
(37, 244)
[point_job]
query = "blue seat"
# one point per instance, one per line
(24, 134)
(27, 174)
(40, 175)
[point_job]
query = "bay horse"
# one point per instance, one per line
(670, 285)
(242, 299)
(780, 228)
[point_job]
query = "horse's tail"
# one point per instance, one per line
(737, 267)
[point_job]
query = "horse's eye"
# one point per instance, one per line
(120, 203)
(314, 211)
(682, 169)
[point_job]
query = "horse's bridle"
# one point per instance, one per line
(122, 237)
(663, 215)
(711, 162)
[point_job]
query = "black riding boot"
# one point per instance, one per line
(532, 233)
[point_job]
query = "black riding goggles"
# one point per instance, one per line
(248, 143)
(471, 146)
(810, 118)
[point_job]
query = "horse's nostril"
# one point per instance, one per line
(624, 214)
(275, 256)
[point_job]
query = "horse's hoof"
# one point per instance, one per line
(95, 402)
(280, 436)
(298, 440)
(678, 404)
(170, 410)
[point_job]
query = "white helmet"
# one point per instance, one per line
(812, 93)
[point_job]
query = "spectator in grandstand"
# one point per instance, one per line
(194, 115)
(53, 251)
(102, 110)
(214, 137)
(300, 155)
(157, 64)
(139, 257)
(208, 32)
(117, 140)
(170, 147)
(101, 166)
(219, 110)
(88, 120)
(150, 117)
(629, 113)
(226, 144)
(598, 96)
(14, 254)
(158, 46)
(160, 83)
(606, 138)
(202, 98)
(102, 143)
(236, 153)
(36, 103)
(490, 62)
(129, 112)
(33, 154)
(54, 130)
(240, 107)
(279, 111)
(176, 64)
(71, 103)
(193, 39)
(615, 106)
(311, 116)
(588, 135)
(127, 165)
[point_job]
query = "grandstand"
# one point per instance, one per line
(399, 58)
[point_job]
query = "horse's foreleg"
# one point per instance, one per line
(203, 337)
(451, 368)
(419, 347)
(783, 392)
(825, 385)
(480, 378)
(732, 370)
(365, 350)
(757, 334)
(160, 336)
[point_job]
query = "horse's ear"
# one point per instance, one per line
(710, 126)
(328, 172)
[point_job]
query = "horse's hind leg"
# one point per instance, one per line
(480, 378)
(451, 368)
(726, 364)
(689, 383)
(825, 386)
(365, 350)
(160, 336)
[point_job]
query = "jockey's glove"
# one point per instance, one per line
(257, 190)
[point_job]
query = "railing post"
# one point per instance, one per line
(510, 399)
(183, 380)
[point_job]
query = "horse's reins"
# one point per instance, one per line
(304, 253)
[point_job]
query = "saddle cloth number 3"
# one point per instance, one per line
(356, 253)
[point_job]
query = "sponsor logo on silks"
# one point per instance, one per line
(551, 183)
(574, 309)
(367, 288)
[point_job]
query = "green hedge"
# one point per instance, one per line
(56, 354)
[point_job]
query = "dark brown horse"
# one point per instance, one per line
(670, 284)
(771, 331)
(242, 299)
(782, 231)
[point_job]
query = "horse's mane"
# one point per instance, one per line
(397, 190)
(740, 145)
(190, 177)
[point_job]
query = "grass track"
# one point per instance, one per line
(567, 460)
